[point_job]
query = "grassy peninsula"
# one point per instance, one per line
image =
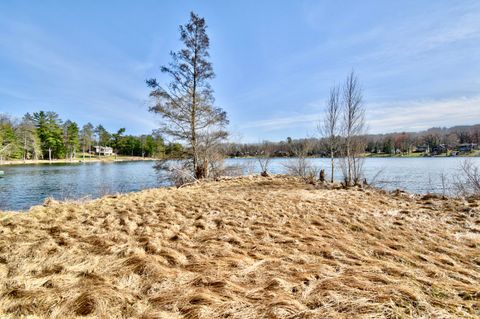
(249, 247)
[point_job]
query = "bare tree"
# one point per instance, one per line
(26, 130)
(86, 138)
(301, 165)
(211, 155)
(353, 127)
(469, 182)
(374, 180)
(177, 172)
(187, 103)
(266, 152)
(329, 128)
(444, 183)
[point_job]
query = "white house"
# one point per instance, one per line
(103, 150)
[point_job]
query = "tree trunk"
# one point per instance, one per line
(198, 172)
(333, 164)
(24, 147)
(349, 163)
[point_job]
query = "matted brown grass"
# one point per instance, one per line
(243, 248)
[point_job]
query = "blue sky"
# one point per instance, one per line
(418, 61)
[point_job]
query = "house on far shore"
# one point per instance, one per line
(421, 149)
(467, 147)
(103, 150)
(439, 149)
(281, 154)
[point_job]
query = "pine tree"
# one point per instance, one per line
(70, 138)
(186, 104)
(50, 133)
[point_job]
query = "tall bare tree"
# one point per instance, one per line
(353, 127)
(186, 104)
(330, 127)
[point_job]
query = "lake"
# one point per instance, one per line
(26, 185)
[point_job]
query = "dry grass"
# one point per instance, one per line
(243, 248)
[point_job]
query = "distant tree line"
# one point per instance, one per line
(43, 135)
(436, 138)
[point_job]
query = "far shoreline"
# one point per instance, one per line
(78, 161)
(149, 159)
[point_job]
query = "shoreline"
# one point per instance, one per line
(139, 159)
(417, 155)
(365, 156)
(327, 185)
(77, 161)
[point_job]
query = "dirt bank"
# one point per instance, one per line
(243, 248)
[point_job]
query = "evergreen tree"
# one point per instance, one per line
(186, 103)
(50, 133)
(103, 137)
(158, 147)
(174, 150)
(70, 138)
(117, 140)
(148, 146)
(9, 148)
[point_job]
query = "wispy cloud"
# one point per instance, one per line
(88, 86)
(415, 37)
(282, 122)
(390, 117)
(420, 115)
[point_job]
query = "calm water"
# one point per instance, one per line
(24, 186)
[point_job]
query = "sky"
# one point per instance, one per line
(418, 61)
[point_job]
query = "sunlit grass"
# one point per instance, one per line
(243, 248)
